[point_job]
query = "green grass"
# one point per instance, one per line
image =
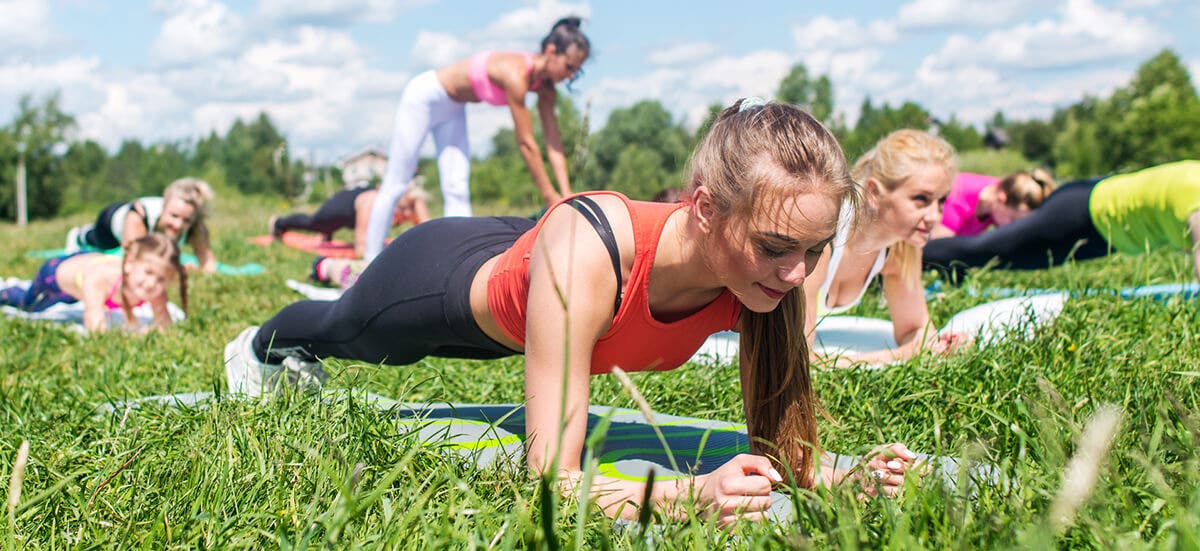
(295, 472)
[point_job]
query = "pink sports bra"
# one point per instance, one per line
(114, 305)
(485, 89)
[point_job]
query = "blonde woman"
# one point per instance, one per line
(904, 179)
(642, 285)
(178, 214)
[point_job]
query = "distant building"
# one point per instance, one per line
(363, 168)
(995, 138)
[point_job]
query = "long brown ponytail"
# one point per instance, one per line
(780, 403)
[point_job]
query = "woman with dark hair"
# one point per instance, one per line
(434, 102)
(640, 286)
(1158, 207)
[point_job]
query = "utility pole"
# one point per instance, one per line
(22, 210)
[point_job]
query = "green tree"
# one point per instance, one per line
(639, 173)
(962, 136)
(814, 95)
(83, 171)
(41, 130)
(1155, 119)
(646, 124)
(1034, 139)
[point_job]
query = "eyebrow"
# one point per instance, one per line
(792, 240)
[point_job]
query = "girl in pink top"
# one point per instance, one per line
(434, 103)
(104, 282)
(977, 202)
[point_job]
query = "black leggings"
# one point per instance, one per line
(1061, 228)
(335, 213)
(412, 301)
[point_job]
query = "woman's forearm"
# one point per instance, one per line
(623, 499)
(533, 161)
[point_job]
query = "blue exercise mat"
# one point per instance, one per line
(1162, 292)
(249, 268)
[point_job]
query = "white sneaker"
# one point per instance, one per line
(246, 375)
(301, 374)
(72, 245)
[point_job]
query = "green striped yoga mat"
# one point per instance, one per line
(488, 434)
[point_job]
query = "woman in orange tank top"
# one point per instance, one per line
(639, 284)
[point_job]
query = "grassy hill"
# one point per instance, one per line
(294, 472)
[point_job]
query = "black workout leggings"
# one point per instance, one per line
(1062, 227)
(412, 301)
(335, 213)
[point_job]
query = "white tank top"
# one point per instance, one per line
(153, 207)
(835, 258)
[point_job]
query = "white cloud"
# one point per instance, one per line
(825, 33)
(1143, 4)
(520, 30)
(26, 25)
(852, 55)
(682, 53)
(196, 31)
(1086, 33)
(432, 49)
(940, 14)
(335, 12)
(689, 91)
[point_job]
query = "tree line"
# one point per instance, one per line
(640, 149)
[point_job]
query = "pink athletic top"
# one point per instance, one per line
(635, 341)
(485, 89)
(114, 305)
(958, 213)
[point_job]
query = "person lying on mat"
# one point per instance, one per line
(107, 282)
(1158, 207)
(179, 214)
(977, 202)
(640, 285)
(351, 208)
(904, 179)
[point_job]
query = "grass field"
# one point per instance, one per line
(294, 472)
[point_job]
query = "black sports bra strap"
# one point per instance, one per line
(595, 216)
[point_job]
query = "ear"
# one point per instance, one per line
(550, 49)
(874, 192)
(703, 209)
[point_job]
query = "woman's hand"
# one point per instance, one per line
(738, 490)
(884, 470)
(948, 343)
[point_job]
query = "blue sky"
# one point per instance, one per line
(329, 72)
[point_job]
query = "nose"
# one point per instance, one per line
(933, 215)
(793, 273)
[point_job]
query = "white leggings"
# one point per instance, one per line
(425, 108)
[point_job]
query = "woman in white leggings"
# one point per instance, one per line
(434, 102)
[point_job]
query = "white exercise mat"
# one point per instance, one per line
(314, 292)
(988, 324)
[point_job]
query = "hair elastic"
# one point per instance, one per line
(751, 102)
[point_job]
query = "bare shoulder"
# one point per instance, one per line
(566, 220)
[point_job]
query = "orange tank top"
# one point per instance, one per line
(635, 341)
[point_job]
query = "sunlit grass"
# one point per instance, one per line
(296, 472)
